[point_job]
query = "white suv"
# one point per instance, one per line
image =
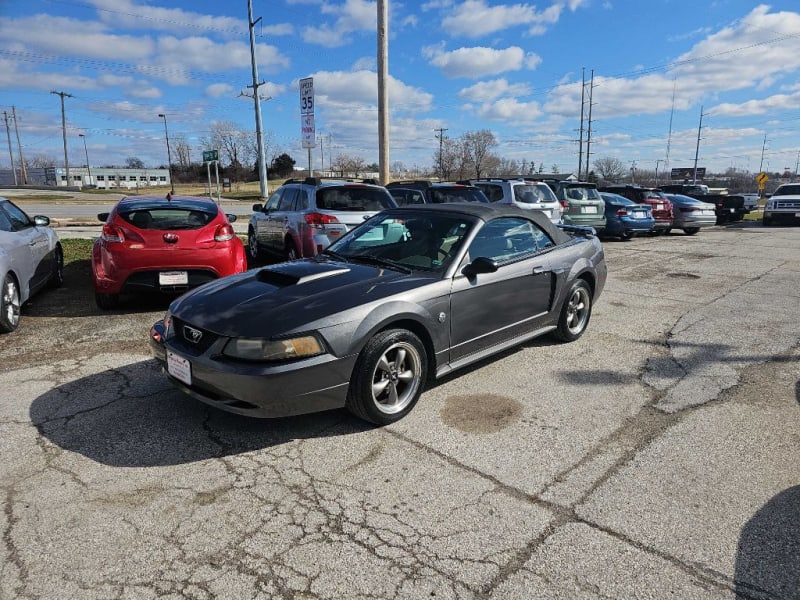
(524, 193)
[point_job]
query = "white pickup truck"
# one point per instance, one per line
(783, 204)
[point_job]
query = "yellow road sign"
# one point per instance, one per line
(762, 178)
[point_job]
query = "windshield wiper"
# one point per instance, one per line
(384, 262)
(335, 255)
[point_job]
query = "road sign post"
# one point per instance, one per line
(212, 156)
(307, 127)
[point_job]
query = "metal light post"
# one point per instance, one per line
(88, 169)
(169, 154)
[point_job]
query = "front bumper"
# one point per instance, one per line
(264, 390)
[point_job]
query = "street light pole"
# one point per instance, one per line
(169, 154)
(88, 169)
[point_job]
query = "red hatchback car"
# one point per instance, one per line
(156, 244)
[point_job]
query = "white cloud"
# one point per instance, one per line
(478, 61)
(757, 107)
(475, 18)
(134, 15)
(509, 109)
(215, 90)
(354, 90)
(486, 91)
(350, 17)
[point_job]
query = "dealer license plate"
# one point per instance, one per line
(589, 209)
(173, 278)
(659, 207)
(637, 214)
(179, 368)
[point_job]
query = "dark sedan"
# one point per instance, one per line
(413, 292)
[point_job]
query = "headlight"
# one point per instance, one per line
(273, 350)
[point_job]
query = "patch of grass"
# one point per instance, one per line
(76, 250)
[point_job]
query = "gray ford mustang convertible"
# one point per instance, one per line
(412, 292)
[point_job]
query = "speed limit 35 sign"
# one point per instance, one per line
(307, 96)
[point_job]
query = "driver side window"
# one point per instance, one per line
(507, 239)
(272, 203)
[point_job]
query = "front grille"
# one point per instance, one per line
(788, 204)
(194, 348)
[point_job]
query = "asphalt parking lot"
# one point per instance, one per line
(658, 456)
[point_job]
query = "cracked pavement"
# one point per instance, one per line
(657, 456)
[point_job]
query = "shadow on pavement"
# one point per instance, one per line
(768, 556)
(132, 417)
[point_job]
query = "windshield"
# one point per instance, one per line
(426, 242)
(168, 218)
(457, 194)
(353, 198)
(582, 193)
(787, 190)
(531, 194)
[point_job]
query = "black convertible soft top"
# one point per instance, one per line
(487, 212)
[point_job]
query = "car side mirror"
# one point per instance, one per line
(41, 220)
(231, 218)
(258, 207)
(480, 265)
(102, 217)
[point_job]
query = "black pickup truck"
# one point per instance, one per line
(728, 207)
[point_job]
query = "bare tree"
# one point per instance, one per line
(348, 166)
(182, 151)
(609, 168)
(40, 161)
(477, 145)
(134, 162)
(234, 144)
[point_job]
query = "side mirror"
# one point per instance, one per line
(102, 217)
(231, 218)
(480, 265)
(258, 207)
(41, 220)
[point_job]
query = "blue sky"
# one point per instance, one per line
(512, 68)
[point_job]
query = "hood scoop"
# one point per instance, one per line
(298, 273)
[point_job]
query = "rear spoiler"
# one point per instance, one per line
(577, 230)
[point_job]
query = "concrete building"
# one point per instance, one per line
(112, 178)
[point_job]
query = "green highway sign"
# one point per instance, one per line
(209, 155)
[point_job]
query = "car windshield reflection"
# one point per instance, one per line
(418, 242)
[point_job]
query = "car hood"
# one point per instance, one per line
(291, 296)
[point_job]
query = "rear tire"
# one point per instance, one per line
(9, 304)
(106, 301)
(252, 244)
(691, 230)
(57, 276)
(575, 312)
(290, 251)
(626, 236)
(388, 378)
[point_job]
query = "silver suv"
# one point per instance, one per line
(525, 193)
(304, 216)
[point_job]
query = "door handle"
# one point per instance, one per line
(539, 269)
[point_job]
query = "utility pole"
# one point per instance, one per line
(10, 153)
(697, 149)
(763, 147)
(589, 132)
(23, 169)
(64, 132)
(796, 165)
(169, 155)
(440, 137)
(580, 138)
(633, 170)
(671, 112)
(383, 92)
(262, 160)
(86, 150)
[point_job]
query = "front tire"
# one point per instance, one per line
(766, 221)
(388, 378)
(575, 312)
(691, 230)
(9, 304)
